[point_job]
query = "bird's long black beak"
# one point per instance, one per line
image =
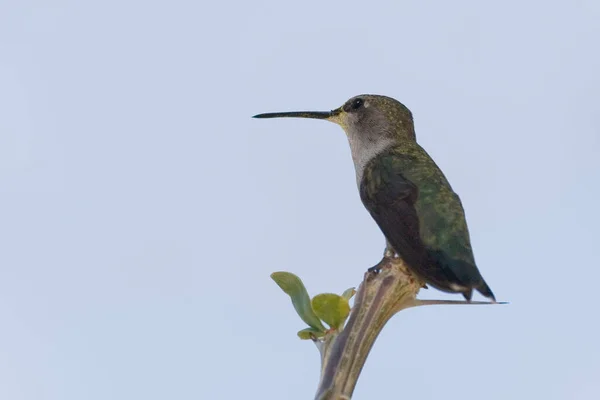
(300, 114)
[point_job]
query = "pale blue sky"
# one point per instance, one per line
(142, 209)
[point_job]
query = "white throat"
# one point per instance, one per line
(364, 150)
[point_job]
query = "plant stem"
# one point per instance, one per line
(379, 297)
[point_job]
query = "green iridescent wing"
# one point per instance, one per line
(391, 200)
(412, 203)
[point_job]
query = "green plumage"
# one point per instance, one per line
(422, 218)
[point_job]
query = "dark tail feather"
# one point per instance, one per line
(468, 294)
(485, 290)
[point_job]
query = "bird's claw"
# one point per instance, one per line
(375, 269)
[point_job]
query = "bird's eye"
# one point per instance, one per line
(356, 104)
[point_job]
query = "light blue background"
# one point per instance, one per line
(142, 209)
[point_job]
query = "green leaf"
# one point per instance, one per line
(310, 333)
(331, 308)
(349, 293)
(294, 287)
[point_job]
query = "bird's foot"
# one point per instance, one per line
(375, 269)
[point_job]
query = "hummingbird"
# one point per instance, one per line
(406, 193)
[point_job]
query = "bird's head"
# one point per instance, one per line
(365, 117)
